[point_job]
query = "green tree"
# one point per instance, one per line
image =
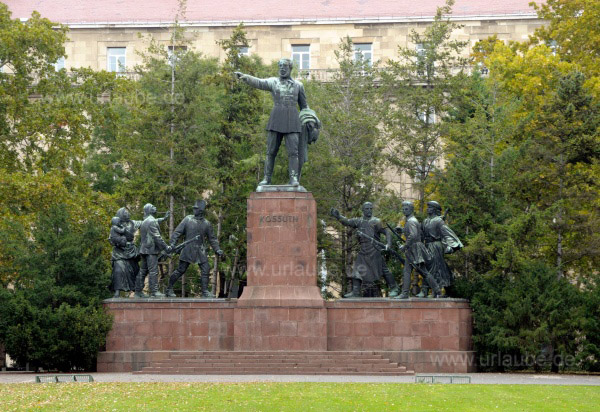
(532, 319)
(346, 165)
(236, 149)
(522, 180)
(573, 32)
(418, 91)
(46, 118)
(53, 313)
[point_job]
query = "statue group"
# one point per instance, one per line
(128, 275)
(424, 246)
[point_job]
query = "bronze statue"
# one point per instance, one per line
(369, 265)
(124, 257)
(416, 253)
(194, 227)
(439, 240)
(284, 121)
(123, 273)
(151, 244)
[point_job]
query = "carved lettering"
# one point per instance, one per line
(279, 219)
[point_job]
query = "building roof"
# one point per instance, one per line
(233, 11)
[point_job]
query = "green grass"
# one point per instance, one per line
(304, 397)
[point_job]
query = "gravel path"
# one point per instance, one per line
(479, 378)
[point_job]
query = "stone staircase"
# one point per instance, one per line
(276, 363)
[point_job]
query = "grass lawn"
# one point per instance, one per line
(140, 397)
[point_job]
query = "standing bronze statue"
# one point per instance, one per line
(195, 228)
(416, 253)
(151, 244)
(123, 272)
(439, 240)
(125, 256)
(284, 121)
(369, 265)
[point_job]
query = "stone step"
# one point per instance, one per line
(307, 371)
(286, 353)
(274, 355)
(219, 366)
(275, 360)
(280, 362)
(276, 363)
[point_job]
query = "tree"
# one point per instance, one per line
(46, 121)
(418, 91)
(573, 33)
(522, 175)
(346, 165)
(236, 149)
(529, 320)
(53, 317)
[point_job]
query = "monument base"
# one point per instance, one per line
(280, 328)
(280, 188)
(423, 335)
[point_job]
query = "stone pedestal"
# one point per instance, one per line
(281, 307)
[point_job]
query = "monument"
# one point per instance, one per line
(281, 324)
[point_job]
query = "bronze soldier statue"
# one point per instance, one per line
(194, 227)
(369, 265)
(151, 244)
(439, 240)
(416, 253)
(284, 121)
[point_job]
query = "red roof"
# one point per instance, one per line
(141, 11)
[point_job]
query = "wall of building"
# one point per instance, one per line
(87, 45)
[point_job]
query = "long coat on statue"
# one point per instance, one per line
(369, 263)
(440, 239)
(416, 252)
(190, 227)
(287, 94)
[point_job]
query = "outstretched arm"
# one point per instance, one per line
(162, 219)
(262, 84)
(343, 220)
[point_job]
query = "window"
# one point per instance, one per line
(420, 50)
(244, 51)
(179, 50)
(363, 51)
(429, 117)
(115, 59)
(60, 63)
(301, 56)
(483, 69)
(553, 46)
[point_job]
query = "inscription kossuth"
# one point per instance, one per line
(278, 219)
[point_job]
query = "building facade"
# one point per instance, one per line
(110, 34)
(106, 34)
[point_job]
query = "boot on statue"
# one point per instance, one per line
(356, 283)
(204, 284)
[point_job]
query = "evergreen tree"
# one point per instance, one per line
(418, 90)
(52, 313)
(345, 167)
(236, 150)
